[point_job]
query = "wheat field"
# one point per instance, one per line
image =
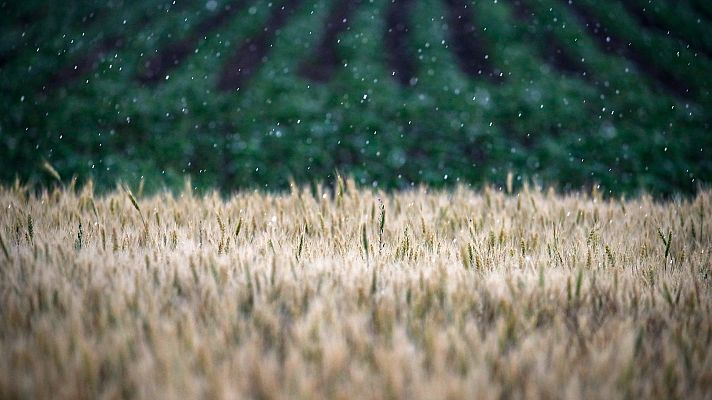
(342, 292)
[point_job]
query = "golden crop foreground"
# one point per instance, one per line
(351, 293)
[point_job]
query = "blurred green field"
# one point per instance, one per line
(571, 94)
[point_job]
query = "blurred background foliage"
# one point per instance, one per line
(253, 93)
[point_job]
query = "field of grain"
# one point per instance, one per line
(351, 293)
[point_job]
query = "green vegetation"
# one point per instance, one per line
(570, 108)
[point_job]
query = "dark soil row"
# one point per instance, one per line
(173, 54)
(84, 64)
(650, 22)
(467, 44)
(20, 19)
(549, 46)
(253, 52)
(90, 59)
(324, 60)
(610, 43)
(399, 55)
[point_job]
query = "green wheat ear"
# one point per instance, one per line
(301, 246)
(50, 170)
(381, 224)
(4, 248)
(239, 227)
(666, 242)
(135, 204)
(364, 239)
